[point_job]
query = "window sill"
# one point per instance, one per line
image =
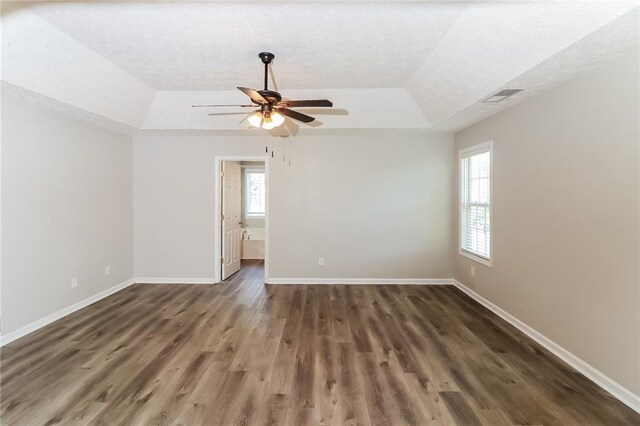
(473, 257)
(254, 216)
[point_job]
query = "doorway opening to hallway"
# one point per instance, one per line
(242, 214)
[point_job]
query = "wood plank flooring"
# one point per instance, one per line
(245, 353)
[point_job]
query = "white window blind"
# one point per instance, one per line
(475, 201)
(255, 190)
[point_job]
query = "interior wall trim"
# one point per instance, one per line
(362, 281)
(174, 280)
(30, 328)
(599, 378)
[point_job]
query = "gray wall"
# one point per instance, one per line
(566, 217)
(371, 206)
(66, 211)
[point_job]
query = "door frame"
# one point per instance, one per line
(217, 234)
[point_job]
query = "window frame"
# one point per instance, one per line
(247, 195)
(467, 152)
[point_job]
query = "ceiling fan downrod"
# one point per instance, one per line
(266, 58)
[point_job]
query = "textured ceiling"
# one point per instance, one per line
(386, 65)
(39, 57)
(204, 46)
(491, 44)
(609, 42)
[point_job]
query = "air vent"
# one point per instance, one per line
(502, 95)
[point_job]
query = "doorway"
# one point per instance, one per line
(241, 238)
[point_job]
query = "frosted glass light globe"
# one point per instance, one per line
(255, 119)
(277, 118)
(268, 124)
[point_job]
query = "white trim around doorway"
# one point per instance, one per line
(217, 237)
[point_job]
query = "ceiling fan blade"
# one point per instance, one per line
(295, 115)
(222, 105)
(323, 111)
(216, 114)
(307, 103)
(253, 94)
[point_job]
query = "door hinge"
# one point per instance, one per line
(221, 173)
(222, 216)
(222, 259)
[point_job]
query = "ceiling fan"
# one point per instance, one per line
(273, 108)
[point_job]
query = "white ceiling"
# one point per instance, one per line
(139, 63)
(214, 46)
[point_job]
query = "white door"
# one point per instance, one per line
(231, 222)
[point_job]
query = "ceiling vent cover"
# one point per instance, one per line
(502, 95)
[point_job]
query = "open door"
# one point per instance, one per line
(231, 221)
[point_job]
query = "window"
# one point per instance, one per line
(255, 193)
(475, 203)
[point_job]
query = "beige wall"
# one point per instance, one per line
(566, 217)
(373, 207)
(66, 211)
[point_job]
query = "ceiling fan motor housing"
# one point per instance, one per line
(271, 96)
(266, 110)
(266, 57)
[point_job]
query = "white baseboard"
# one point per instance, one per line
(620, 392)
(160, 280)
(364, 281)
(30, 328)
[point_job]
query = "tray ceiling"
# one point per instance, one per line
(431, 62)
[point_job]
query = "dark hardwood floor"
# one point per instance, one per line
(245, 353)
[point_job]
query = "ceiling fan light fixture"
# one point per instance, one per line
(268, 123)
(273, 109)
(255, 119)
(277, 118)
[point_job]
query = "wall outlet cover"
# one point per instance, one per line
(74, 282)
(321, 261)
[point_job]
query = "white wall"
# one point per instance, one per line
(66, 211)
(373, 207)
(566, 215)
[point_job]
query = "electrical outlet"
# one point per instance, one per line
(74, 282)
(321, 261)
(107, 270)
(473, 271)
